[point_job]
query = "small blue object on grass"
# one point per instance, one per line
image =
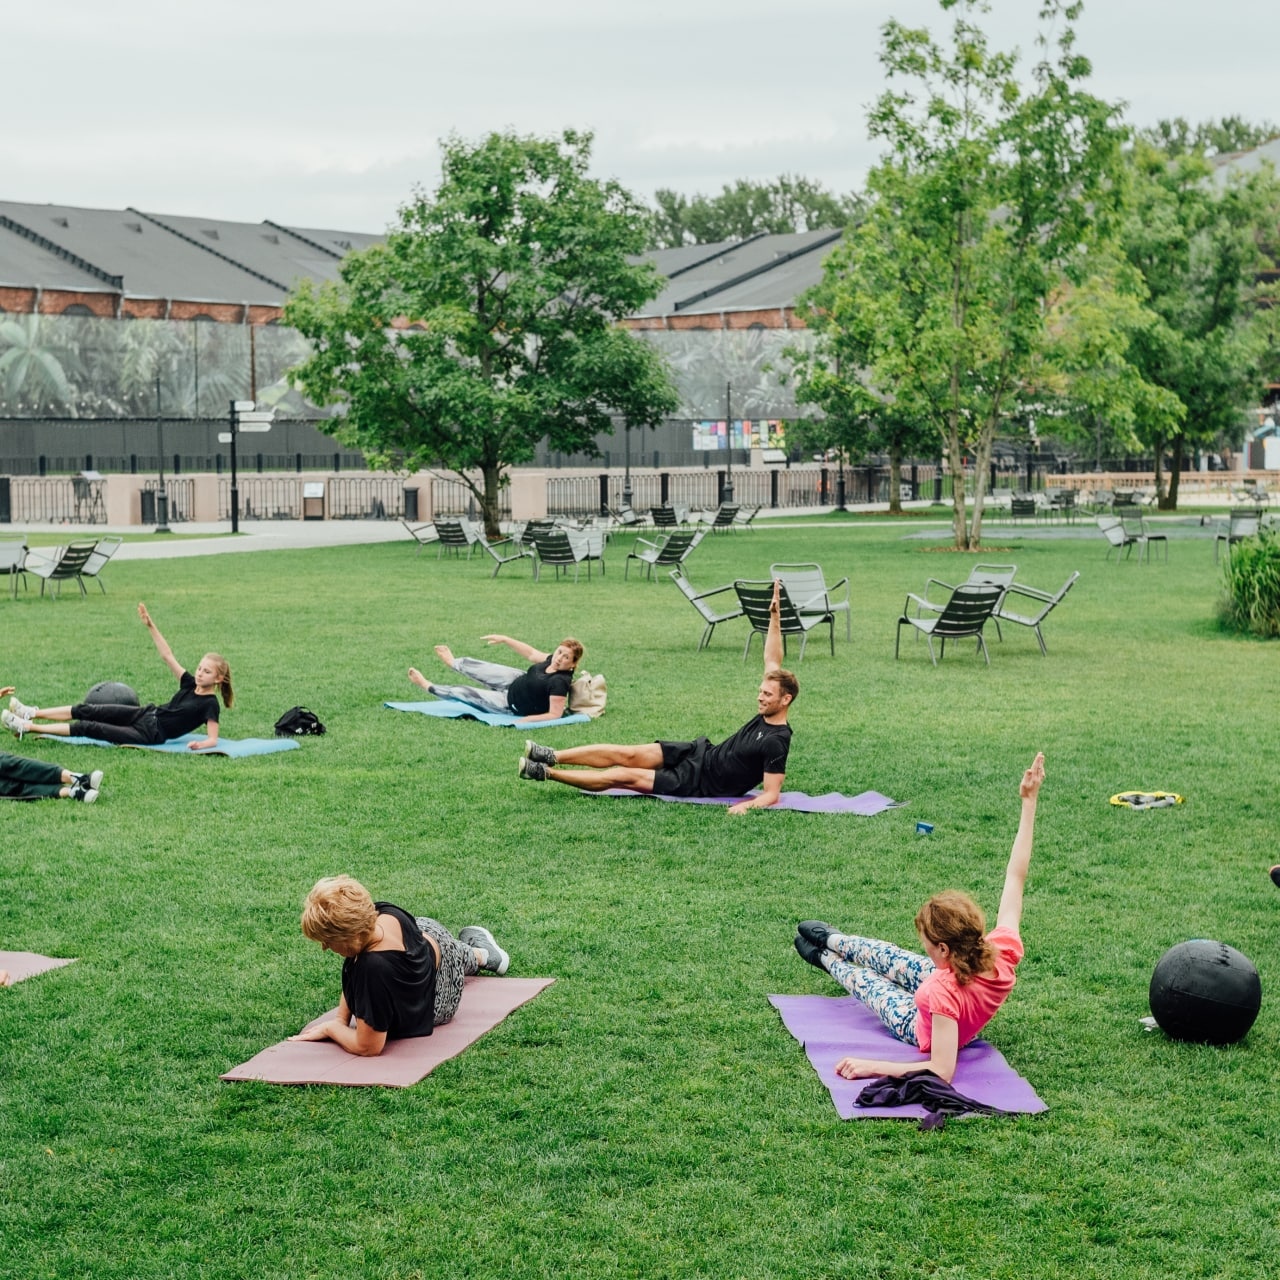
(924, 828)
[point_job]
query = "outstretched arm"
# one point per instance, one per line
(162, 645)
(1015, 877)
(773, 652)
(526, 651)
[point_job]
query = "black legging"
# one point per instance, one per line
(111, 722)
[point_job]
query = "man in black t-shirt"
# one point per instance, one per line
(754, 756)
(539, 693)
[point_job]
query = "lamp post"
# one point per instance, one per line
(727, 495)
(243, 416)
(162, 496)
(626, 474)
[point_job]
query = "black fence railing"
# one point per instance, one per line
(181, 495)
(72, 500)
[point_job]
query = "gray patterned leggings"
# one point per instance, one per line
(457, 961)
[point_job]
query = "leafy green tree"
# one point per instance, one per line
(979, 214)
(745, 208)
(1211, 137)
(488, 320)
(1198, 246)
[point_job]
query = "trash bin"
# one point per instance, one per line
(410, 504)
(6, 511)
(147, 497)
(313, 501)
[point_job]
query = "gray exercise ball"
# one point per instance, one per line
(114, 692)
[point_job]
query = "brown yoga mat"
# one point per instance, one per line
(26, 964)
(485, 1003)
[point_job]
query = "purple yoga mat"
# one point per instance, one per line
(866, 804)
(485, 1003)
(26, 964)
(835, 1027)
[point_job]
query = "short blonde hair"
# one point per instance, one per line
(340, 910)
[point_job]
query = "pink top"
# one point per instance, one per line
(973, 1005)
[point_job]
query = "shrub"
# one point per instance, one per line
(1252, 602)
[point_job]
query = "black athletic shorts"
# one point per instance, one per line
(681, 772)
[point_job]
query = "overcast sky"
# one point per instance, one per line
(326, 115)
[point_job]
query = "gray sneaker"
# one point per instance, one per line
(21, 709)
(476, 935)
(529, 770)
(538, 754)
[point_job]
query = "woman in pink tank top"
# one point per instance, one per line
(941, 1000)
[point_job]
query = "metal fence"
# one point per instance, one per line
(181, 495)
(72, 500)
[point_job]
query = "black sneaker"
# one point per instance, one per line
(810, 951)
(815, 931)
(86, 784)
(531, 770)
(538, 754)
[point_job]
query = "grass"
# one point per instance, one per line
(647, 1115)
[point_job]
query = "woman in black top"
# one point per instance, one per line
(401, 974)
(192, 706)
(539, 693)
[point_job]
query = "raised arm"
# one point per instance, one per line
(1015, 877)
(773, 653)
(161, 644)
(526, 651)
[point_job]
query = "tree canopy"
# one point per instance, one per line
(1209, 138)
(489, 318)
(745, 208)
(981, 211)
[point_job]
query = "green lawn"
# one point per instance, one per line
(647, 1115)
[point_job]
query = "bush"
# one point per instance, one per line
(1252, 602)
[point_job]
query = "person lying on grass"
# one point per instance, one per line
(539, 693)
(192, 706)
(941, 1000)
(756, 756)
(401, 974)
(23, 779)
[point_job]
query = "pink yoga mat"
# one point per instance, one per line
(26, 964)
(485, 1003)
(835, 1027)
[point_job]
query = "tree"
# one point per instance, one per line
(1212, 137)
(1198, 246)
(488, 320)
(746, 208)
(979, 216)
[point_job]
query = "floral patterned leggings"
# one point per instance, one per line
(883, 976)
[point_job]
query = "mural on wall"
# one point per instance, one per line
(751, 361)
(89, 367)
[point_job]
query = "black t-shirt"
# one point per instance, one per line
(531, 693)
(394, 991)
(186, 710)
(734, 766)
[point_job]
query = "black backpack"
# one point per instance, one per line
(297, 721)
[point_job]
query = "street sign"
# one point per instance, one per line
(243, 406)
(224, 437)
(259, 415)
(254, 426)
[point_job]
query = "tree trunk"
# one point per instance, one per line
(1170, 503)
(955, 460)
(982, 469)
(1159, 471)
(895, 479)
(490, 502)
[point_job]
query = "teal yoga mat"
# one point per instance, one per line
(447, 708)
(235, 748)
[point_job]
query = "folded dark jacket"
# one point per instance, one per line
(925, 1089)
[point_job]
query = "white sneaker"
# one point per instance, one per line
(21, 709)
(14, 724)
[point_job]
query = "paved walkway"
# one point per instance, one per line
(290, 535)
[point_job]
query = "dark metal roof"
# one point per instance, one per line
(30, 261)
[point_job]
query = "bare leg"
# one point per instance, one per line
(445, 654)
(416, 677)
(603, 779)
(646, 756)
(51, 730)
(51, 713)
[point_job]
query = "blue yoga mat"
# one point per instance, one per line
(447, 708)
(235, 748)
